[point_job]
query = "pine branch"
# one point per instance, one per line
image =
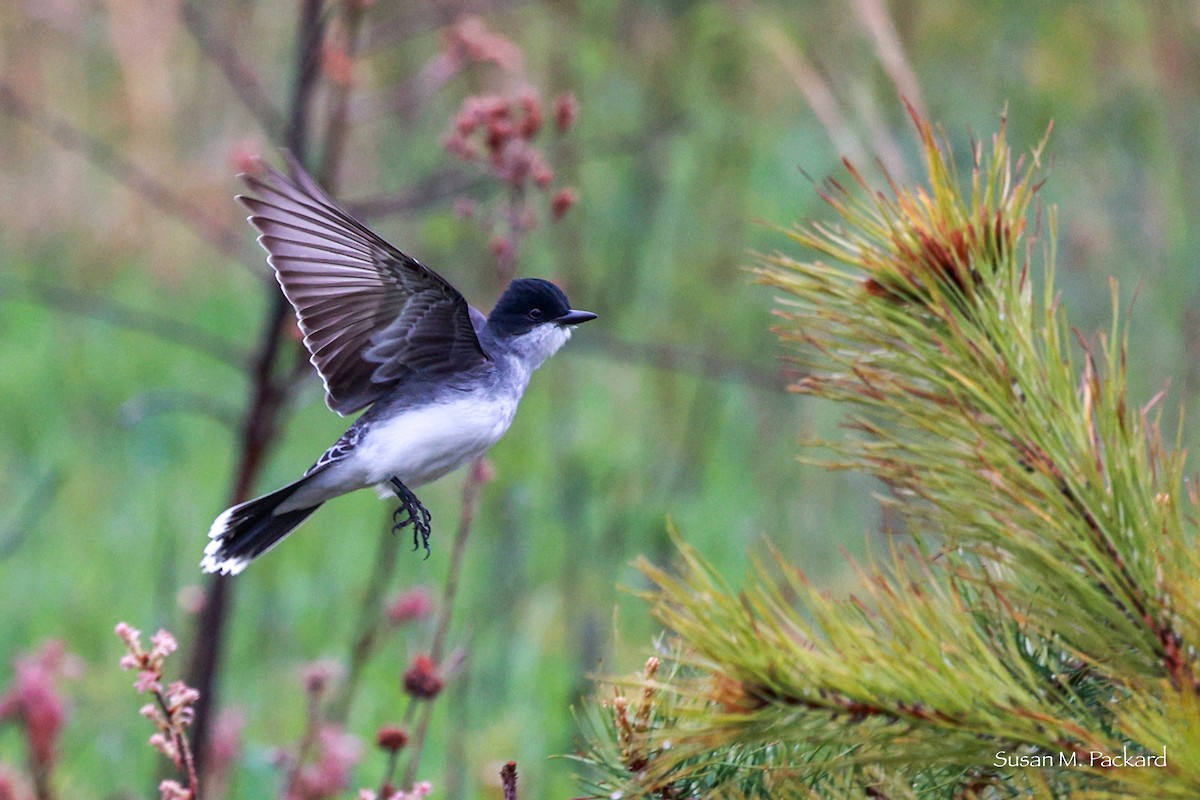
(1042, 626)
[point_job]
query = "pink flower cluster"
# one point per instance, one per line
(502, 129)
(499, 130)
(173, 790)
(171, 712)
(34, 701)
(148, 663)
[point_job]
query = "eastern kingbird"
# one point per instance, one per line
(442, 381)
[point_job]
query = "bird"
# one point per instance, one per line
(440, 381)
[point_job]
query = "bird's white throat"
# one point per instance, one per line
(534, 347)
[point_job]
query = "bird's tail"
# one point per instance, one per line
(248, 530)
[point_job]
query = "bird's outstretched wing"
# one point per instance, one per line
(371, 315)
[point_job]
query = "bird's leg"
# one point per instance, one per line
(411, 512)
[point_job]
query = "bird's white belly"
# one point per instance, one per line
(417, 446)
(422, 445)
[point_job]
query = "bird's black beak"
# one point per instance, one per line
(574, 317)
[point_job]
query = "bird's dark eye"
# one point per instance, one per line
(535, 313)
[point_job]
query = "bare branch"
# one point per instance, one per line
(216, 234)
(160, 326)
(665, 356)
(30, 512)
(411, 20)
(142, 407)
(369, 619)
(241, 77)
(437, 187)
(336, 128)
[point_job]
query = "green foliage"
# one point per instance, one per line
(1041, 617)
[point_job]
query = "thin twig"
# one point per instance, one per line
(458, 709)
(312, 719)
(161, 326)
(479, 475)
(220, 237)
(660, 355)
(308, 65)
(142, 407)
(336, 129)
(30, 512)
(241, 77)
(436, 188)
(40, 771)
(389, 771)
(472, 491)
(369, 621)
(417, 744)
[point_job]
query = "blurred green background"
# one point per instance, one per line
(698, 123)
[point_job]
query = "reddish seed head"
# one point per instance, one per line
(499, 131)
(245, 155)
(411, 605)
(470, 39)
(191, 598)
(502, 247)
(460, 147)
(319, 674)
(391, 738)
(483, 471)
(162, 644)
(531, 123)
(540, 171)
(464, 208)
(337, 64)
(566, 111)
(562, 202)
(422, 680)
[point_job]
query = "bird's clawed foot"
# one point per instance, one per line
(411, 512)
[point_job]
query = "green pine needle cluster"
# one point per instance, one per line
(1035, 633)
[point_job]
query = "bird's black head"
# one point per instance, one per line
(530, 302)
